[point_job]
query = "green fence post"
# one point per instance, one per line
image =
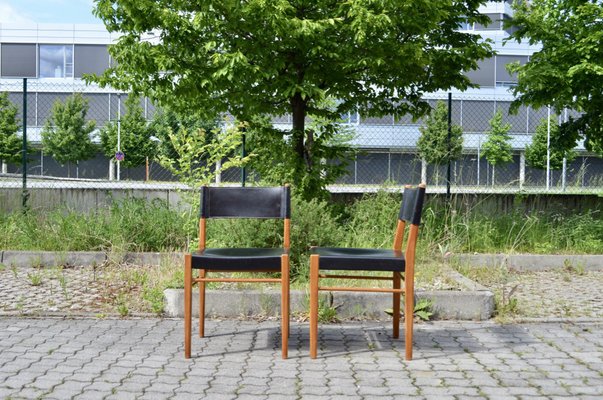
(25, 194)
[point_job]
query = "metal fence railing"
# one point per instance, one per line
(388, 151)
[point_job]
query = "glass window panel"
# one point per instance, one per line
(90, 59)
(502, 75)
(56, 61)
(484, 74)
(18, 60)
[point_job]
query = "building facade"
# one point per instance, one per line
(55, 57)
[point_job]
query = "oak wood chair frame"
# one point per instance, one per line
(397, 280)
(203, 278)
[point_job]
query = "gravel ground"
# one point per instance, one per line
(558, 294)
(65, 291)
(104, 290)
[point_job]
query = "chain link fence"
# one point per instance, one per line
(388, 152)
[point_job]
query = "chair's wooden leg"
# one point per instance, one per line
(202, 304)
(188, 294)
(314, 262)
(396, 305)
(285, 304)
(409, 306)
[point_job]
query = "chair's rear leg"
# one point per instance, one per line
(396, 306)
(285, 304)
(202, 273)
(314, 262)
(409, 307)
(188, 289)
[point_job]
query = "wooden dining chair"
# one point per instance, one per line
(238, 202)
(359, 259)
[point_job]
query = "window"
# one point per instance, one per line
(18, 60)
(90, 59)
(484, 74)
(503, 77)
(56, 61)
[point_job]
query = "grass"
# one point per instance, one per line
(138, 225)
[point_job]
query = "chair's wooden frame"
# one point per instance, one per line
(396, 290)
(202, 278)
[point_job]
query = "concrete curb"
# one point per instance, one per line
(519, 262)
(26, 259)
(532, 262)
(446, 304)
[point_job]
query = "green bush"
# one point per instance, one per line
(137, 225)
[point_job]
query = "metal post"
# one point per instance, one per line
(564, 172)
(449, 139)
(243, 155)
(548, 148)
(25, 194)
(118, 133)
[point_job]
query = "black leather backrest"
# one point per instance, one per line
(412, 205)
(245, 202)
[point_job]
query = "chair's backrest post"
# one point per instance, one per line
(202, 219)
(399, 236)
(411, 210)
(287, 234)
(287, 215)
(202, 234)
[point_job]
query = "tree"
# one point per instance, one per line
(568, 71)
(497, 149)
(536, 152)
(275, 159)
(10, 143)
(167, 121)
(268, 58)
(134, 135)
(433, 142)
(66, 136)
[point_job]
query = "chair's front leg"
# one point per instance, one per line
(314, 262)
(285, 304)
(396, 306)
(409, 307)
(202, 304)
(188, 292)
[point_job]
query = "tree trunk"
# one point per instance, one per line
(4, 167)
(493, 172)
(298, 108)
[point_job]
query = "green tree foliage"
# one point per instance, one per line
(197, 152)
(497, 148)
(10, 144)
(167, 121)
(285, 57)
(66, 136)
(568, 71)
(134, 135)
(536, 152)
(275, 159)
(433, 143)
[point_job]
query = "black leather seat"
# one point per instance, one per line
(360, 259)
(240, 259)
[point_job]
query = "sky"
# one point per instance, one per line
(48, 11)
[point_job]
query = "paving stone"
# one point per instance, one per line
(151, 364)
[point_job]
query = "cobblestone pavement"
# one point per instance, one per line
(143, 359)
(558, 293)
